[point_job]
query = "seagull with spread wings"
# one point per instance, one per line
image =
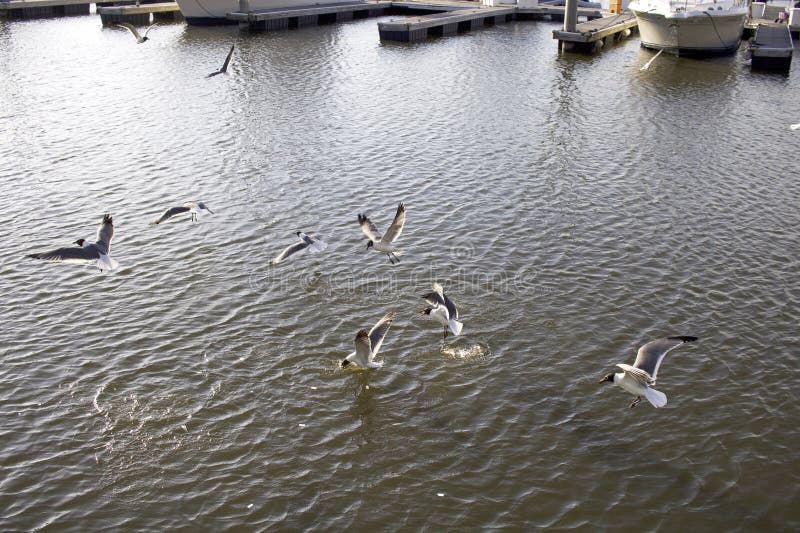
(87, 252)
(227, 62)
(443, 310)
(312, 243)
(368, 344)
(383, 243)
(193, 208)
(131, 28)
(639, 378)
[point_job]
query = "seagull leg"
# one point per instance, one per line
(635, 402)
(445, 333)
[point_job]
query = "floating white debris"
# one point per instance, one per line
(302, 425)
(184, 428)
(313, 388)
(440, 494)
(250, 506)
(366, 387)
(795, 126)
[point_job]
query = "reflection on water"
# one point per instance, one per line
(575, 208)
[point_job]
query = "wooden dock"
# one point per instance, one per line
(772, 48)
(414, 29)
(593, 34)
(283, 18)
(28, 9)
(139, 15)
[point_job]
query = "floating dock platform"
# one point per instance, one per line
(30, 9)
(139, 15)
(284, 18)
(414, 29)
(593, 34)
(772, 48)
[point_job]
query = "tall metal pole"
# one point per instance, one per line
(570, 15)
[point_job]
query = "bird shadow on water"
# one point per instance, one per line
(366, 408)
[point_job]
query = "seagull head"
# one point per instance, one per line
(607, 377)
(369, 245)
(426, 311)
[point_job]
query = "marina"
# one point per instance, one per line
(572, 207)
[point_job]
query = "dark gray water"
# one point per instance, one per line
(574, 208)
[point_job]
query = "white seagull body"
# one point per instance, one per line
(86, 252)
(139, 38)
(383, 243)
(368, 344)
(227, 62)
(443, 310)
(641, 377)
(195, 209)
(314, 245)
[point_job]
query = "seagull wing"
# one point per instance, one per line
(435, 299)
(290, 250)
(369, 228)
(396, 228)
(171, 212)
(452, 312)
(642, 377)
(68, 255)
(314, 243)
(363, 348)
(378, 333)
(104, 235)
(148, 29)
(131, 29)
(651, 354)
(227, 59)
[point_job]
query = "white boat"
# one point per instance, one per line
(691, 27)
(208, 12)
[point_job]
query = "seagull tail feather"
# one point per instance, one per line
(456, 326)
(105, 262)
(657, 398)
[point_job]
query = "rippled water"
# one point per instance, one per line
(574, 207)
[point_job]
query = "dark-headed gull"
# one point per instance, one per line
(313, 244)
(368, 344)
(384, 243)
(443, 310)
(639, 378)
(227, 62)
(193, 208)
(139, 38)
(87, 252)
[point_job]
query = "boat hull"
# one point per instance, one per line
(212, 12)
(694, 33)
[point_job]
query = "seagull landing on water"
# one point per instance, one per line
(87, 252)
(193, 208)
(368, 344)
(227, 62)
(638, 379)
(139, 38)
(384, 243)
(313, 245)
(443, 310)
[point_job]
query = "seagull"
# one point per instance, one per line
(87, 252)
(384, 243)
(368, 344)
(443, 310)
(224, 68)
(139, 39)
(313, 245)
(193, 208)
(795, 126)
(638, 379)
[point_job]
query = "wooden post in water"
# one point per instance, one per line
(570, 18)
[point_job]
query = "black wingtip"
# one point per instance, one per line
(107, 219)
(34, 256)
(684, 338)
(344, 363)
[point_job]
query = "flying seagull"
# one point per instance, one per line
(639, 378)
(87, 252)
(193, 208)
(224, 68)
(139, 38)
(384, 243)
(443, 310)
(368, 344)
(313, 245)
